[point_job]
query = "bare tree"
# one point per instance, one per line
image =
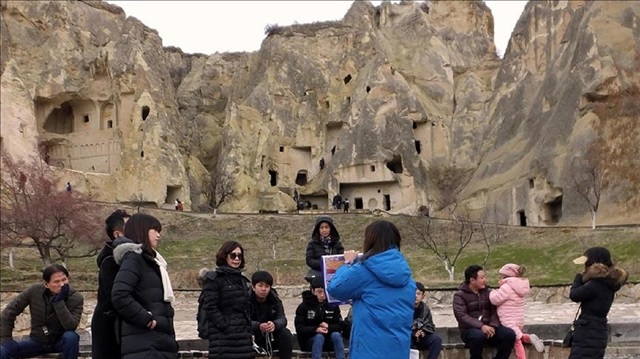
(276, 231)
(220, 187)
(60, 224)
(449, 179)
(490, 231)
(588, 178)
(447, 239)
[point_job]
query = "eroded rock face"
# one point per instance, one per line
(90, 90)
(561, 57)
(359, 107)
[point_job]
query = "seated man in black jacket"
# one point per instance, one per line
(55, 310)
(318, 323)
(268, 321)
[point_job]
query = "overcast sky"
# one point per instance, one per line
(225, 26)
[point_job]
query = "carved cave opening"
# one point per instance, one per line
(368, 89)
(273, 178)
(60, 120)
(418, 146)
(522, 218)
(347, 79)
(358, 203)
(387, 202)
(395, 165)
(553, 211)
(145, 112)
(301, 178)
(173, 193)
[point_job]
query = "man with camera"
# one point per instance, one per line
(423, 331)
(55, 311)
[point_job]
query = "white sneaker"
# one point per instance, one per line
(537, 343)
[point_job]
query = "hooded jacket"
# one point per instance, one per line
(316, 248)
(509, 300)
(468, 307)
(310, 313)
(57, 317)
(226, 302)
(595, 290)
(138, 297)
(383, 295)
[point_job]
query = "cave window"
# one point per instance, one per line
(301, 178)
(142, 154)
(358, 203)
(273, 178)
(60, 120)
(531, 183)
(368, 89)
(395, 165)
(333, 150)
(110, 124)
(327, 104)
(418, 146)
(173, 193)
(348, 100)
(415, 125)
(387, 202)
(347, 79)
(373, 168)
(281, 149)
(85, 118)
(145, 112)
(554, 211)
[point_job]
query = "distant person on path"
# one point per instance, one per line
(268, 321)
(478, 319)
(104, 343)
(55, 310)
(383, 294)
(226, 302)
(325, 240)
(68, 187)
(142, 293)
(318, 323)
(176, 204)
(509, 300)
(22, 181)
(423, 331)
(594, 288)
(346, 205)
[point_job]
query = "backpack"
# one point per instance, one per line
(201, 315)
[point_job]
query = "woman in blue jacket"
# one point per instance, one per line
(383, 293)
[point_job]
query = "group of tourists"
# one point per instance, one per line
(239, 316)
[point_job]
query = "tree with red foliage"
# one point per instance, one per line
(60, 225)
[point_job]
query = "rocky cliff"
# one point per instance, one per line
(362, 107)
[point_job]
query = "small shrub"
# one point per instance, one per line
(273, 29)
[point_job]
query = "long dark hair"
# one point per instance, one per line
(223, 253)
(379, 237)
(137, 229)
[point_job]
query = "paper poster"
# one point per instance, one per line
(330, 265)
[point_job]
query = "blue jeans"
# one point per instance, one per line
(502, 340)
(68, 345)
(317, 344)
(431, 342)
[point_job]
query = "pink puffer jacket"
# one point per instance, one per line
(509, 299)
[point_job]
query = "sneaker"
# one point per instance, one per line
(537, 343)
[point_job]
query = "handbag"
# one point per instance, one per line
(568, 338)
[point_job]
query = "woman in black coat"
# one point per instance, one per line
(142, 292)
(226, 302)
(325, 240)
(595, 290)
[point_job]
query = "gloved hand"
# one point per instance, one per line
(62, 296)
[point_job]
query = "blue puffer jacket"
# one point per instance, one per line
(383, 294)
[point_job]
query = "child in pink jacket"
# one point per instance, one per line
(509, 299)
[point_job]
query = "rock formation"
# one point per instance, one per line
(362, 107)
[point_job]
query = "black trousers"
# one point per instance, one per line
(282, 341)
(503, 341)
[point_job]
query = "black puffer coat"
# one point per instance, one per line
(104, 344)
(316, 248)
(226, 301)
(594, 290)
(138, 297)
